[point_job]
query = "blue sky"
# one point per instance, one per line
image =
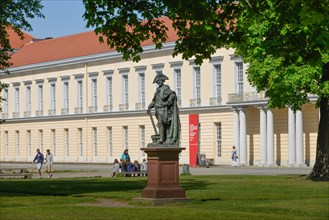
(62, 17)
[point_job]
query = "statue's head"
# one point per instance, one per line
(160, 78)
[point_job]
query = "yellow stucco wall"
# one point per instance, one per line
(133, 119)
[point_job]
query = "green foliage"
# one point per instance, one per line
(221, 197)
(286, 43)
(14, 14)
(197, 23)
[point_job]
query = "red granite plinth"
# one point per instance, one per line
(163, 172)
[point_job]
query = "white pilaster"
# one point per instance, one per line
(291, 138)
(243, 137)
(262, 136)
(236, 131)
(270, 138)
(299, 139)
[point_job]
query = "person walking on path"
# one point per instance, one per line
(39, 158)
(49, 163)
(234, 157)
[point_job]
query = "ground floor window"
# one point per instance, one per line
(41, 140)
(67, 142)
(53, 140)
(125, 136)
(28, 140)
(110, 145)
(95, 141)
(218, 128)
(17, 143)
(142, 138)
(80, 136)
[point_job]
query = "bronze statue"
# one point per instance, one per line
(166, 111)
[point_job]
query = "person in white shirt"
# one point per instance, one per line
(234, 157)
(49, 163)
(144, 167)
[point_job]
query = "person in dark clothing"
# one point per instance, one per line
(39, 158)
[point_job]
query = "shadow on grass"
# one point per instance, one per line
(78, 187)
(192, 184)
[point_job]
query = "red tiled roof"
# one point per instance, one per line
(15, 41)
(77, 45)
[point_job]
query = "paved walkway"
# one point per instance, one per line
(104, 170)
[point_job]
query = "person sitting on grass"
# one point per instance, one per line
(116, 167)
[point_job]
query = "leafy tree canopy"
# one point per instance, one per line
(14, 14)
(127, 23)
(285, 43)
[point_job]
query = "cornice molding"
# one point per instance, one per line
(83, 59)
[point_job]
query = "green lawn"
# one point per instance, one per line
(214, 197)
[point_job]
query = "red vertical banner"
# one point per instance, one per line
(194, 138)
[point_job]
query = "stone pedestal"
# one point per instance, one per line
(163, 172)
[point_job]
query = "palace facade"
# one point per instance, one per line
(78, 98)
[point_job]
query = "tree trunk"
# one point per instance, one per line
(321, 167)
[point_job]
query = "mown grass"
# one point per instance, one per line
(213, 197)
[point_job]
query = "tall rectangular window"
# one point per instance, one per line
(110, 141)
(40, 98)
(41, 140)
(197, 83)
(67, 141)
(94, 92)
(125, 137)
(80, 136)
(178, 83)
(17, 142)
(93, 98)
(125, 89)
(28, 98)
(109, 91)
(218, 81)
(66, 98)
(5, 101)
(219, 138)
(29, 142)
(53, 96)
(141, 87)
(239, 74)
(53, 141)
(95, 141)
(6, 143)
(16, 99)
(80, 94)
(142, 138)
